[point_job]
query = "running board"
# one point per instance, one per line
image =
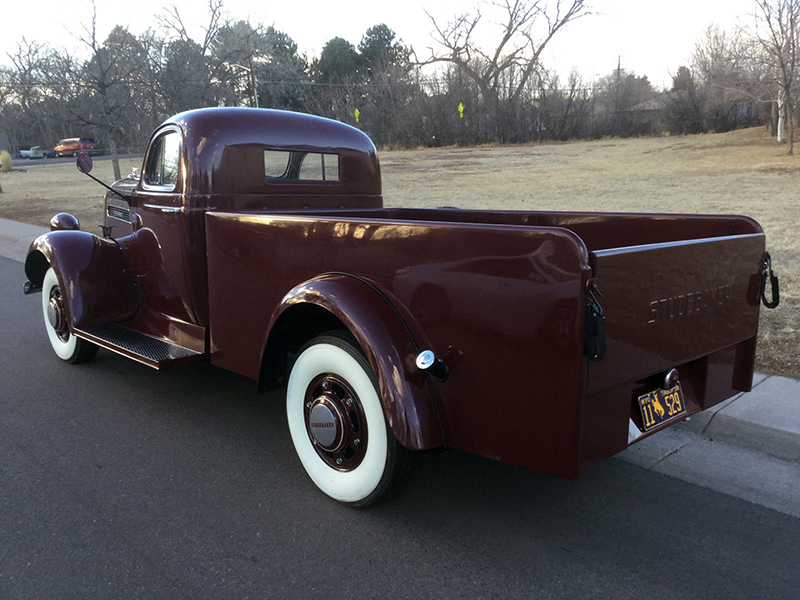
(150, 351)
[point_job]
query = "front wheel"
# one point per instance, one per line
(66, 346)
(337, 424)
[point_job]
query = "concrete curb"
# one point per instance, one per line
(766, 419)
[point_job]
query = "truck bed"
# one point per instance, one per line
(502, 295)
(598, 231)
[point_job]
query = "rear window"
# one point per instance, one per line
(293, 165)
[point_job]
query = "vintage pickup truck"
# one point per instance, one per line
(257, 240)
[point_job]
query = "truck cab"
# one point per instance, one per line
(228, 159)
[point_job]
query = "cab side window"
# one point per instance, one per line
(295, 165)
(163, 163)
(319, 167)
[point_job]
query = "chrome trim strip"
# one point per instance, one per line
(163, 209)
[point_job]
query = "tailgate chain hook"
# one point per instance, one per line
(766, 271)
(595, 326)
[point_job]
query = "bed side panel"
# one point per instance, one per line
(504, 305)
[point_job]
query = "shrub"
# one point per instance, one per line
(5, 162)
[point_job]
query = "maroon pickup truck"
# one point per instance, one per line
(257, 240)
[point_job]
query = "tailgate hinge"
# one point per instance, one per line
(766, 272)
(595, 325)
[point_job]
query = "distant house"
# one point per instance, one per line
(655, 106)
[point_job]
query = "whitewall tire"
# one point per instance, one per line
(337, 425)
(54, 308)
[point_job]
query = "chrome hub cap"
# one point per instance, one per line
(325, 424)
(56, 314)
(335, 422)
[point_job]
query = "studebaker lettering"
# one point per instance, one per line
(692, 303)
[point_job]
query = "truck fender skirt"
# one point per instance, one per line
(407, 393)
(92, 274)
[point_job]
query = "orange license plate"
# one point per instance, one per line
(660, 406)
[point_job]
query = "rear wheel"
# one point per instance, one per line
(337, 423)
(66, 346)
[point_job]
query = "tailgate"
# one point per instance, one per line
(670, 304)
(690, 305)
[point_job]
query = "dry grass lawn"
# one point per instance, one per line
(741, 172)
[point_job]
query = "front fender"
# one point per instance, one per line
(408, 400)
(92, 274)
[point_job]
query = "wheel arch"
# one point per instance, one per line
(91, 272)
(350, 303)
(36, 265)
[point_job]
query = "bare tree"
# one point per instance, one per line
(565, 111)
(503, 73)
(776, 32)
(171, 20)
(617, 95)
(106, 81)
(734, 80)
(27, 74)
(720, 59)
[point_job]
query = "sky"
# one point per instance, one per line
(647, 37)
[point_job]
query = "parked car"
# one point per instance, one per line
(258, 240)
(38, 152)
(71, 146)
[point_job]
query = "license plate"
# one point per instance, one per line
(660, 406)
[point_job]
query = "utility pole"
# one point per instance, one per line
(252, 78)
(252, 72)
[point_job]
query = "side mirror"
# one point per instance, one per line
(84, 163)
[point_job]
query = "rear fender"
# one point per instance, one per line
(92, 274)
(390, 348)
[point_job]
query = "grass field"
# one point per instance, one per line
(741, 172)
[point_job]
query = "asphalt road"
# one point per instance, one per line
(117, 481)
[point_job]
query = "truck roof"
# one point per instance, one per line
(225, 151)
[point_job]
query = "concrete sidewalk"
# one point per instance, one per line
(15, 238)
(766, 420)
